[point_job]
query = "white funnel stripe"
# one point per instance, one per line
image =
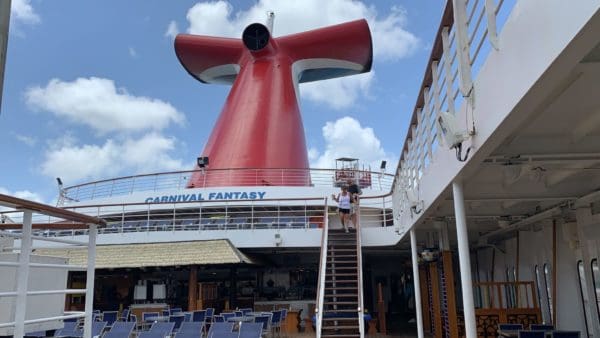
(219, 74)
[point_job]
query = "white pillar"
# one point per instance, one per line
(464, 260)
(89, 281)
(415, 266)
(23, 276)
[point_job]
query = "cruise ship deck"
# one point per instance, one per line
(490, 220)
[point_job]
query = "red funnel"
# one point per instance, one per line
(259, 131)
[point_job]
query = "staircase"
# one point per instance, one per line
(341, 303)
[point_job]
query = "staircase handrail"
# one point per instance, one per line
(361, 308)
(322, 272)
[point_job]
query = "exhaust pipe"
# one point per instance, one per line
(257, 39)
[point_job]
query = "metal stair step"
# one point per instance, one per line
(340, 327)
(339, 319)
(340, 310)
(341, 335)
(341, 288)
(340, 303)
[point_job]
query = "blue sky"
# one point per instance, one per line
(93, 89)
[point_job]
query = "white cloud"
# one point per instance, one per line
(28, 140)
(391, 40)
(74, 163)
(172, 30)
(22, 11)
(24, 194)
(347, 138)
(98, 103)
(132, 52)
(338, 93)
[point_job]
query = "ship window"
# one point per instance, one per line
(548, 282)
(584, 296)
(596, 278)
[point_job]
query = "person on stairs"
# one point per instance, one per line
(355, 192)
(343, 199)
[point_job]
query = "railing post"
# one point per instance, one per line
(464, 260)
(416, 282)
(384, 212)
(89, 282)
(132, 185)
(448, 70)
(437, 101)
(461, 32)
(490, 13)
(23, 275)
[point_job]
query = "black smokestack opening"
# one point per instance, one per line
(256, 37)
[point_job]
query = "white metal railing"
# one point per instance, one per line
(292, 213)
(24, 265)
(361, 306)
(458, 52)
(322, 273)
(222, 178)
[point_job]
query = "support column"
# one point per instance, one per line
(23, 276)
(464, 260)
(89, 281)
(417, 283)
(193, 288)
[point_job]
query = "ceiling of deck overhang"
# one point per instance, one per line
(552, 157)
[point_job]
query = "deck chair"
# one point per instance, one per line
(120, 330)
(225, 335)
(251, 330)
(110, 317)
(510, 327)
(219, 328)
(566, 334)
(162, 328)
(543, 327)
(532, 334)
(97, 329)
(276, 322)
(198, 316)
(264, 320)
(69, 330)
(191, 328)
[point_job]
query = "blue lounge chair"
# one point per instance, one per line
(532, 334)
(191, 328)
(265, 321)
(227, 315)
(566, 334)
(543, 327)
(110, 317)
(510, 327)
(120, 330)
(177, 320)
(198, 316)
(36, 334)
(69, 330)
(217, 328)
(251, 330)
(225, 335)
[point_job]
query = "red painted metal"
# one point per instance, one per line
(260, 125)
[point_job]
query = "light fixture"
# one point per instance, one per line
(202, 162)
